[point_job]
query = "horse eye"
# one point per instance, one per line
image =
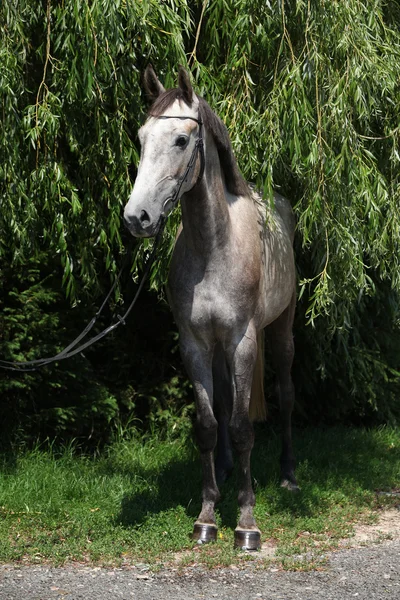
(181, 141)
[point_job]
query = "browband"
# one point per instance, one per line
(199, 121)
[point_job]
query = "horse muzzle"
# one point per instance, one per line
(141, 224)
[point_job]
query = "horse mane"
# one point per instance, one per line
(234, 180)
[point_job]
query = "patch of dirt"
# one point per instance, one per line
(386, 528)
(267, 551)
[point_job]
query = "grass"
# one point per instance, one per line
(136, 502)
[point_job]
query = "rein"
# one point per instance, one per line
(72, 349)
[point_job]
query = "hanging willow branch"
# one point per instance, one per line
(43, 85)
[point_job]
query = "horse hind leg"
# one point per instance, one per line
(282, 350)
(222, 411)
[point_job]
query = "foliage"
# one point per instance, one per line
(36, 322)
(310, 94)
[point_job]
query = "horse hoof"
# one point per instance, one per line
(204, 533)
(290, 486)
(247, 539)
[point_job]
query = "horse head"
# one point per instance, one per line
(171, 160)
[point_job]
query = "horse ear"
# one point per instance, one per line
(185, 85)
(152, 84)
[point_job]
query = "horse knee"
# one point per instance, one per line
(206, 433)
(242, 435)
(285, 388)
(282, 349)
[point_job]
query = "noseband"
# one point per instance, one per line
(198, 147)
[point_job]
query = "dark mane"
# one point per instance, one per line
(165, 100)
(234, 181)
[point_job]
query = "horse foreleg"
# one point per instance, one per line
(282, 351)
(198, 364)
(247, 534)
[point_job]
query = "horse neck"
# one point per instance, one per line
(205, 209)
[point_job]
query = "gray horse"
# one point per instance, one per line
(232, 274)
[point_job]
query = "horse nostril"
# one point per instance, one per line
(127, 221)
(144, 217)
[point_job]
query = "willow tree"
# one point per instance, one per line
(310, 94)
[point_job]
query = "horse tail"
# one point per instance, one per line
(258, 406)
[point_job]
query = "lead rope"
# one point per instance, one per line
(71, 349)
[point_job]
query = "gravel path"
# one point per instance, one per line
(370, 573)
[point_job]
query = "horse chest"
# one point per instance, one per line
(210, 304)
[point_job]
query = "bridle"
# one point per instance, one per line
(198, 147)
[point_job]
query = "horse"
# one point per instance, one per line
(231, 277)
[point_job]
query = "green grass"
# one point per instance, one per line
(136, 502)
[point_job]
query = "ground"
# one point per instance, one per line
(367, 567)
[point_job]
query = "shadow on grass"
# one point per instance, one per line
(177, 484)
(329, 460)
(8, 463)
